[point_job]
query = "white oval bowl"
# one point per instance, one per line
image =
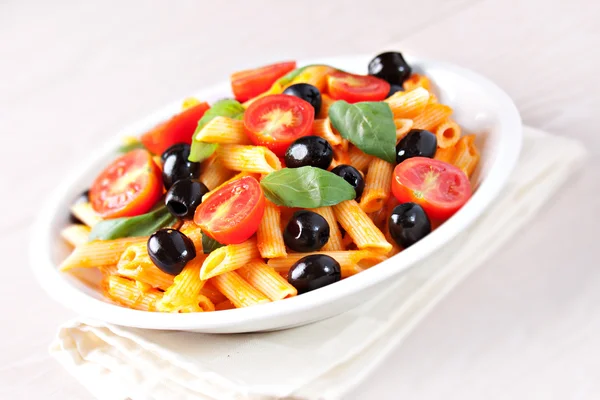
(480, 107)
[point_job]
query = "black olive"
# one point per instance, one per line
(313, 272)
(306, 92)
(391, 67)
(311, 151)
(408, 224)
(170, 250)
(352, 176)
(184, 197)
(82, 198)
(416, 143)
(176, 165)
(394, 88)
(306, 231)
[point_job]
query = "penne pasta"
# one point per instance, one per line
(447, 134)
(237, 176)
(358, 159)
(135, 263)
(360, 227)
(185, 288)
(466, 155)
(335, 235)
(432, 116)
(213, 173)
(237, 290)
(324, 129)
(378, 185)
(351, 262)
(266, 280)
(223, 130)
(224, 305)
(446, 155)
(76, 234)
(326, 102)
(211, 293)
(132, 294)
(189, 103)
(99, 253)
(340, 154)
(86, 214)
(256, 159)
(228, 258)
(408, 104)
(269, 236)
(403, 126)
(417, 81)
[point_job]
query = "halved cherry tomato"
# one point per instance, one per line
(354, 88)
(252, 82)
(130, 186)
(179, 129)
(231, 215)
(275, 121)
(440, 188)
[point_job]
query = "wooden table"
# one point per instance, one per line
(525, 326)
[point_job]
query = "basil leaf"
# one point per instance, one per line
(209, 244)
(368, 125)
(141, 225)
(223, 108)
(306, 187)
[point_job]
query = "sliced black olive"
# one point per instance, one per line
(306, 92)
(352, 176)
(176, 165)
(394, 88)
(391, 67)
(416, 143)
(311, 151)
(184, 197)
(408, 224)
(313, 272)
(306, 231)
(82, 198)
(170, 250)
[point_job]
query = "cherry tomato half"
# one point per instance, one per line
(130, 186)
(250, 83)
(275, 121)
(179, 129)
(440, 188)
(354, 88)
(231, 215)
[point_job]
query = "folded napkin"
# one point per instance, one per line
(323, 360)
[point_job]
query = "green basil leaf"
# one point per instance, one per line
(223, 108)
(141, 225)
(368, 125)
(209, 244)
(306, 187)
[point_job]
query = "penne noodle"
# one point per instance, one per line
(213, 173)
(86, 214)
(340, 155)
(76, 234)
(223, 130)
(189, 103)
(132, 294)
(358, 159)
(360, 227)
(266, 280)
(135, 263)
(378, 185)
(211, 293)
(256, 159)
(269, 236)
(466, 155)
(99, 253)
(417, 81)
(224, 305)
(403, 126)
(447, 134)
(351, 262)
(237, 176)
(446, 155)
(335, 235)
(185, 288)
(324, 129)
(408, 104)
(228, 258)
(237, 290)
(326, 102)
(432, 116)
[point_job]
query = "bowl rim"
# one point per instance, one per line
(58, 287)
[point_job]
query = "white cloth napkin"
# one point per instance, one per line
(318, 361)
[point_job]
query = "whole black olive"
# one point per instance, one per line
(306, 92)
(416, 143)
(352, 176)
(408, 224)
(313, 272)
(184, 197)
(306, 231)
(170, 250)
(176, 165)
(311, 151)
(391, 67)
(176, 148)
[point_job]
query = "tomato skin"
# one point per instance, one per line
(354, 88)
(131, 185)
(252, 82)
(440, 188)
(232, 214)
(179, 129)
(276, 121)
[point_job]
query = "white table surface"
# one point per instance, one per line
(525, 326)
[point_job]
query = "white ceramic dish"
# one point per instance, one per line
(480, 107)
